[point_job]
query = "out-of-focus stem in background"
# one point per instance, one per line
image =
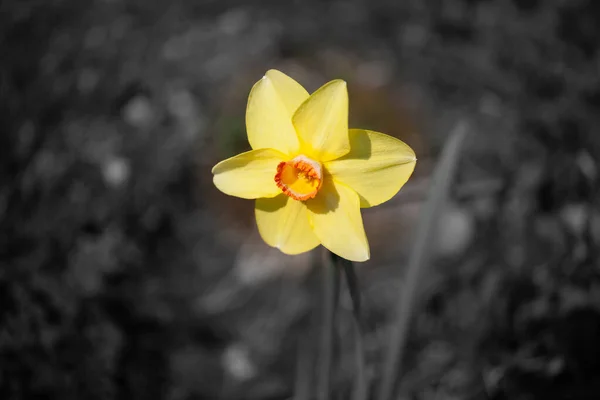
(419, 259)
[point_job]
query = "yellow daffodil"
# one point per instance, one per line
(309, 174)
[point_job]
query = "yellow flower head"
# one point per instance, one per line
(309, 174)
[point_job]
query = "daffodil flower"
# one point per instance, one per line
(308, 172)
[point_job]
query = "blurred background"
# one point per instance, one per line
(125, 274)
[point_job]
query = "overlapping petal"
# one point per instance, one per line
(249, 175)
(283, 223)
(322, 122)
(291, 93)
(271, 104)
(335, 217)
(377, 166)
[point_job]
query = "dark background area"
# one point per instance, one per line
(124, 274)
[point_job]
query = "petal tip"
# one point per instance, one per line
(290, 252)
(339, 84)
(365, 257)
(215, 168)
(274, 74)
(336, 85)
(272, 71)
(357, 257)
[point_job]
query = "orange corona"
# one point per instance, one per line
(299, 178)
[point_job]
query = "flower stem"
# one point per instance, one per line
(331, 290)
(360, 388)
(304, 371)
(419, 258)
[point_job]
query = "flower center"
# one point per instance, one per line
(299, 178)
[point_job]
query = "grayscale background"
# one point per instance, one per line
(125, 274)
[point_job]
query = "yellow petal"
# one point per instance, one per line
(271, 104)
(377, 166)
(291, 92)
(336, 220)
(283, 223)
(322, 122)
(249, 175)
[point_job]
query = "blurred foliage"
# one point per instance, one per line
(124, 274)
